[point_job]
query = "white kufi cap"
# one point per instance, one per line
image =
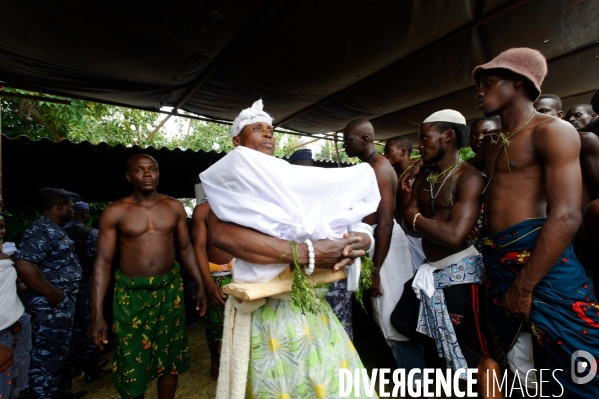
(446, 115)
(249, 116)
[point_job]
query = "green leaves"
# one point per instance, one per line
(365, 279)
(302, 290)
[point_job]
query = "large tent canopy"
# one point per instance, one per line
(316, 64)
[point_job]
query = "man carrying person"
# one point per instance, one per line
(439, 307)
(216, 267)
(580, 116)
(292, 354)
(549, 104)
(540, 303)
(149, 312)
(47, 264)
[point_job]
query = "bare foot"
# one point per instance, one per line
(215, 365)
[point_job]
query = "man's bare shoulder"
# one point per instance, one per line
(554, 138)
(589, 143)
(200, 212)
(382, 168)
(551, 128)
(470, 175)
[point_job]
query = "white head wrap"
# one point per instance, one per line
(446, 115)
(249, 116)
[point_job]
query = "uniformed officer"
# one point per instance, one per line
(84, 354)
(47, 264)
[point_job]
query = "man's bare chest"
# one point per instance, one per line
(136, 222)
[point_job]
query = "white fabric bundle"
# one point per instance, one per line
(248, 116)
(395, 271)
(11, 305)
(287, 201)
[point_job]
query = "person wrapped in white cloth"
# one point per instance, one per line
(258, 204)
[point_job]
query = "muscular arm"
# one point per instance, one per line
(412, 208)
(200, 240)
(462, 217)
(188, 257)
(385, 178)
(559, 148)
(589, 161)
(101, 274)
(259, 248)
(199, 235)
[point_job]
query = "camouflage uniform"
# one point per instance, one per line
(48, 246)
(339, 298)
(84, 354)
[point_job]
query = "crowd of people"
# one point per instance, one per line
(486, 263)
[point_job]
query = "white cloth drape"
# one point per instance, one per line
(287, 201)
(11, 305)
(395, 271)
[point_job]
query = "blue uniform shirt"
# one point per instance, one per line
(48, 246)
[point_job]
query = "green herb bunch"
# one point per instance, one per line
(302, 290)
(365, 281)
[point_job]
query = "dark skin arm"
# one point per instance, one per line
(256, 247)
(107, 237)
(412, 208)
(462, 217)
(589, 161)
(559, 150)
(188, 257)
(385, 178)
(33, 278)
(5, 358)
(200, 240)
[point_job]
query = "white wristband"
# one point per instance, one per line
(310, 268)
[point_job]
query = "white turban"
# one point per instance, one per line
(446, 115)
(249, 116)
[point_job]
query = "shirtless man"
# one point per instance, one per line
(397, 152)
(549, 104)
(580, 116)
(358, 139)
(149, 318)
(391, 258)
(538, 297)
(443, 208)
(216, 267)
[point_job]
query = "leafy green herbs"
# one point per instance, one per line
(365, 279)
(302, 290)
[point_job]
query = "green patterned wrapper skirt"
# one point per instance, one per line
(298, 356)
(151, 335)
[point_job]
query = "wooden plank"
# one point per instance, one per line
(279, 285)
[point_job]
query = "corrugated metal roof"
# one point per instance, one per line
(96, 172)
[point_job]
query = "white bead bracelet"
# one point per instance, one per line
(310, 268)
